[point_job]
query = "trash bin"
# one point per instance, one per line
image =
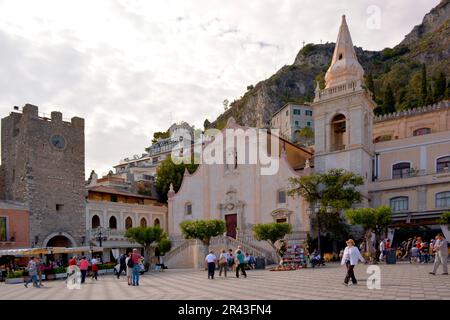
(260, 263)
(390, 257)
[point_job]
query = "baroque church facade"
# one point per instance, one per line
(239, 194)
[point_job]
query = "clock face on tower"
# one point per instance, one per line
(58, 141)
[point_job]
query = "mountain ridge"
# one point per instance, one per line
(401, 66)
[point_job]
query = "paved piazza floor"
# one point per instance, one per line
(400, 281)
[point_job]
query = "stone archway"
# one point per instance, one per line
(59, 239)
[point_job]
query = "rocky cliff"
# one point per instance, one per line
(428, 43)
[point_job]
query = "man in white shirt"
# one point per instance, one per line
(211, 261)
(441, 249)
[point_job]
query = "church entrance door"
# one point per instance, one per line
(231, 224)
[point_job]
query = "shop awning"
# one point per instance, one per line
(47, 250)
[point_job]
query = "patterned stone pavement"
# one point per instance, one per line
(401, 281)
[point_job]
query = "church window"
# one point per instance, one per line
(338, 132)
(340, 56)
(95, 222)
(443, 199)
(283, 220)
(399, 204)
(188, 209)
(421, 131)
(401, 170)
(443, 164)
(113, 223)
(281, 196)
(128, 223)
(143, 223)
(156, 222)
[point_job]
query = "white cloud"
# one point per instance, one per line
(131, 67)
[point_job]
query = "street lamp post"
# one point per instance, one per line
(101, 234)
(315, 209)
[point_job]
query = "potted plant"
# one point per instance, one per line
(105, 268)
(60, 272)
(14, 277)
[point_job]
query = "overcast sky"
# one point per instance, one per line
(131, 68)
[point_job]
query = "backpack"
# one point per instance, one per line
(130, 263)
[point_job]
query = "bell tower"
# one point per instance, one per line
(343, 114)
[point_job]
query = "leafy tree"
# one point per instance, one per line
(145, 236)
(206, 124)
(170, 173)
(305, 135)
(271, 232)
(202, 230)
(372, 221)
(424, 86)
(164, 246)
(445, 219)
(370, 85)
(331, 192)
(440, 85)
(160, 135)
(409, 93)
(388, 105)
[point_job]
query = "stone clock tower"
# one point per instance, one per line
(43, 166)
(343, 114)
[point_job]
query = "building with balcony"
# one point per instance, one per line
(112, 209)
(14, 225)
(143, 167)
(291, 118)
(412, 164)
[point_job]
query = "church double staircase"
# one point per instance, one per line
(177, 257)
